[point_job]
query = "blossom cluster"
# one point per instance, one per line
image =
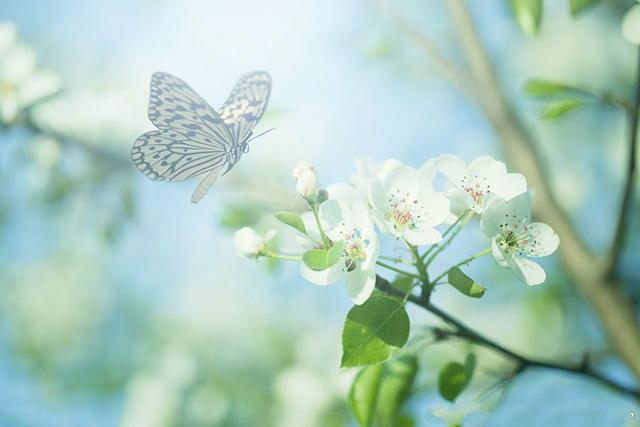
(338, 239)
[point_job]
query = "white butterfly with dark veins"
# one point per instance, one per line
(192, 138)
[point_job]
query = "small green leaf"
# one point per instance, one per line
(374, 331)
(577, 6)
(394, 389)
(454, 377)
(334, 252)
(557, 109)
(539, 87)
(464, 283)
(320, 259)
(529, 15)
(364, 393)
(292, 220)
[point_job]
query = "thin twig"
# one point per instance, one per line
(625, 208)
(522, 362)
(453, 72)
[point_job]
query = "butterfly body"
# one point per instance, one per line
(192, 138)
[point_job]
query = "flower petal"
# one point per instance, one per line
(530, 272)
(510, 186)
(328, 276)
(436, 207)
(498, 254)
(426, 236)
(501, 215)
(344, 193)
(544, 241)
(486, 169)
(452, 167)
(402, 180)
(360, 285)
(331, 213)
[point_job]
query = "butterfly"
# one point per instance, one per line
(192, 138)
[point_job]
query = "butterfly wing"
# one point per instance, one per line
(246, 104)
(191, 138)
(173, 155)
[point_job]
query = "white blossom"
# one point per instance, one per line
(307, 184)
(515, 238)
(249, 243)
(473, 186)
(351, 223)
(300, 167)
(406, 206)
(21, 83)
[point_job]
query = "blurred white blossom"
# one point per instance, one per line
(21, 83)
(631, 25)
(249, 243)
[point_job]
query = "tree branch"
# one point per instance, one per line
(588, 274)
(522, 362)
(627, 195)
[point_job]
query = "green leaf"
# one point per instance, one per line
(464, 283)
(374, 331)
(394, 389)
(577, 6)
(557, 109)
(320, 259)
(403, 283)
(539, 87)
(364, 393)
(292, 220)
(529, 15)
(454, 377)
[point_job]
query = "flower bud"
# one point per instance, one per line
(301, 167)
(248, 242)
(308, 185)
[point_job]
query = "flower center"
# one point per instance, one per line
(477, 187)
(355, 245)
(517, 238)
(404, 211)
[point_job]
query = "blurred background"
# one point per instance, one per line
(122, 304)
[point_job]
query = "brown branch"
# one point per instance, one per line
(627, 195)
(588, 273)
(448, 68)
(522, 362)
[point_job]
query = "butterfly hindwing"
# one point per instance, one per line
(246, 104)
(172, 155)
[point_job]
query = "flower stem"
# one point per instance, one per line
(314, 209)
(396, 260)
(459, 329)
(463, 262)
(282, 257)
(462, 220)
(398, 270)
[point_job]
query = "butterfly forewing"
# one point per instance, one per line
(246, 104)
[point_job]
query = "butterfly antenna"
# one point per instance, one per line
(266, 131)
